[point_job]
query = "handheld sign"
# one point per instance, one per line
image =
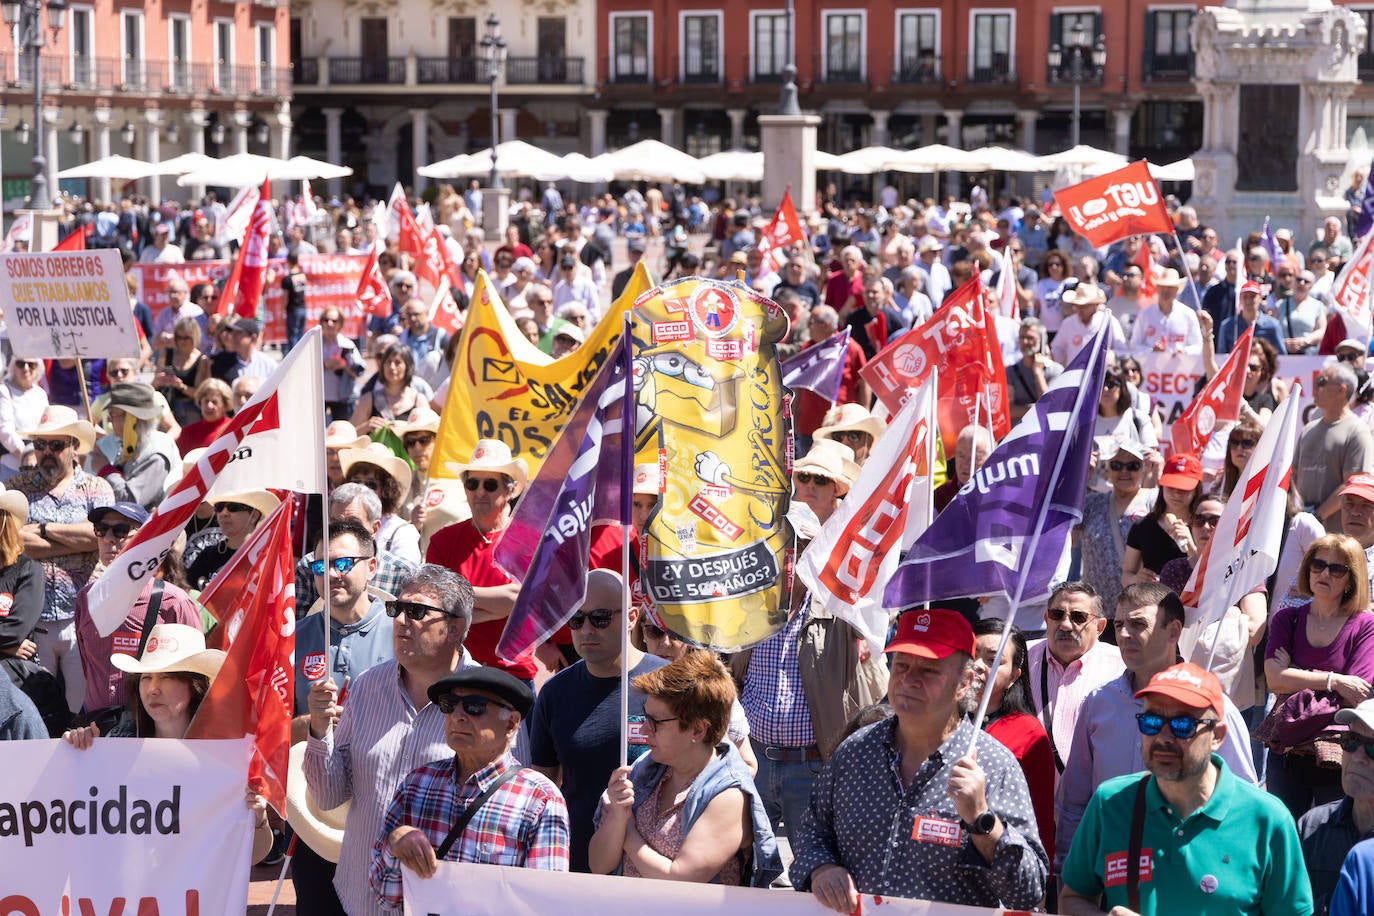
(68, 304)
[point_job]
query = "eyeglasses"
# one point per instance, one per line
(808, 478)
(418, 439)
(564, 338)
(1348, 357)
(600, 619)
(232, 507)
(850, 435)
(1119, 466)
(1336, 570)
(26, 364)
(1111, 385)
(51, 445)
(1243, 443)
(651, 724)
(1206, 521)
(1304, 281)
(342, 565)
(653, 631)
(405, 286)
(118, 373)
(413, 610)
(490, 484)
(120, 532)
(1255, 367)
(1352, 742)
(1077, 618)
(1322, 382)
(1185, 727)
(473, 705)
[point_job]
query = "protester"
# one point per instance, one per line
(812, 408)
(393, 394)
(418, 436)
(343, 366)
(1077, 330)
(822, 477)
(243, 358)
(1030, 376)
(1109, 517)
(1165, 533)
(1333, 446)
(22, 403)
(379, 469)
(237, 515)
(213, 400)
(854, 426)
(1330, 831)
(971, 448)
(1266, 326)
(340, 435)
(139, 459)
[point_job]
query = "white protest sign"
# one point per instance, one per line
(130, 825)
(492, 890)
(68, 304)
(1170, 379)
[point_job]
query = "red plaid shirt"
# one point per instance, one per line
(524, 824)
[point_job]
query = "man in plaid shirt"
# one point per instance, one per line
(523, 823)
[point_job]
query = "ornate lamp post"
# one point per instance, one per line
(494, 47)
(1078, 63)
(31, 38)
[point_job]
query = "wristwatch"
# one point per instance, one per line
(43, 530)
(983, 824)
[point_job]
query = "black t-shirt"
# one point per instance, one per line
(293, 285)
(1155, 546)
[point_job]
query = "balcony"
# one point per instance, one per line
(146, 77)
(354, 71)
(1177, 68)
(546, 71)
(999, 73)
(838, 73)
(431, 70)
(918, 70)
(306, 71)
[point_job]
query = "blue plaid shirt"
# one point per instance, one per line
(772, 698)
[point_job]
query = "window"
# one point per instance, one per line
(179, 52)
(1072, 30)
(630, 62)
(1168, 48)
(80, 35)
(844, 47)
(1366, 58)
(770, 46)
(266, 36)
(462, 49)
(552, 49)
(991, 58)
(224, 55)
(918, 58)
(701, 48)
(131, 36)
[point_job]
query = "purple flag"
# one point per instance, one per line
(1013, 516)
(819, 367)
(1270, 246)
(1366, 220)
(579, 485)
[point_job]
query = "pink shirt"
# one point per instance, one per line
(103, 679)
(1068, 687)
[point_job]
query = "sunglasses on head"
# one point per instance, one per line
(490, 484)
(1185, 727)
(809, 478)
(600, 619)
(413, 610)
(1077, 618)
(1352, 742)
(120, 531)
(51, 445)
(472, 704)
(232, 507)
(1337, 570)
(338, 564)
(1124, 465)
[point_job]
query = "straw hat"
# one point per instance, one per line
(1170, 279)
(374, 453)
(16, 504)
(59, 420)
(342, 434)
(493, 455)
(172, 647)
(832, 460)
(261, 500)
(845, 418)
(319, 829)
(1084, 294)
(423, 420)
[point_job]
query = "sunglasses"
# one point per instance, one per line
(120, 532)
(51, 445)
(472, 704)
(418, 439)
(1132, 466)
(1347, 357)
(1337, 570)
(809, 478)
(652, 631)
(489, 484)
(1244, 443)
(413, 610)
(26, 364)
(405, 286)
(1184, 727)
(1255, 367)
(1111, 386)
(1203, 521)
(599, 619)
(338, 564)
(232, 507)
(1352, 742)
(851, 435)
(1077, 618)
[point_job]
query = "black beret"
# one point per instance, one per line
(494, 681)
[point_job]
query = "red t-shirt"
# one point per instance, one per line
(518, 250)
(1025, 737)
(839, 287)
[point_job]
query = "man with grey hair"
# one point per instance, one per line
(355, 502)
(910, 297)
(1332, 447)
(363, 749)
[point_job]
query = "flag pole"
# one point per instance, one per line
(627, 457)
(932, 437)
(324, 541)
(1197, 297)
(1099, 344)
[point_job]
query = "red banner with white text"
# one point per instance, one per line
(1116, 205)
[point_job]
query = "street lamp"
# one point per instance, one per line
(26, 17)
(494, 47)
(128, 133)
(1078, 63)
(787, 98)
(217, 133)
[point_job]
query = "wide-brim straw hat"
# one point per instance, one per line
(378, 455)
(850, 418)
(832, 460)
(342, 434)
(261, 500)
(423, 420)
(60, 420)
(494, 456)
(319, 828)
(172, 647)
(1084, 294)
(16, 504)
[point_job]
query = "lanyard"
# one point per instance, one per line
(1046, 712)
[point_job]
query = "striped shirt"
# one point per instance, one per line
(380, 739)
(525, 824)
(773, 698)
(63, 574)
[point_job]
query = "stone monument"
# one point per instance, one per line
(1274, 76)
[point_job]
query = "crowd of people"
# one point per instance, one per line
(1123, 764)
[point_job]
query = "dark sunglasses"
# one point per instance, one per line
(1254, 368)
(1352, 742)
(413, 610)
(232, 507)
(1347, 357)
(338, 564)
(487, 483)
(809, 478)
(51, 445)
(26, 364)
(1124, 465)
(1201, 521)
(473, 705)
(599, 619)
(1244, 443)
(850, 435)
(119, 531)
(652, 631)
(1077, 618)
(418, 439)
(1111, 385)
(1184, 727)
(1337, 570)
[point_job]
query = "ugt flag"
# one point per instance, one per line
(1354, 288)
(584, 481)
(783, 230)
(1116, 205)
(1218, 403)
(1011, 519)
(819, 367)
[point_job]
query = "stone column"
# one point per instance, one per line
(333, 145)
(101, 115)
(954, 136)
(242, 121)
(1025, 129)
(1121, 130)
(789, 150)
(880, 118)
(281, 137)
(596, 118)
(199, 118)
(737, 116)
(49, 125)
(419, 146)
(508, 128)
(152, 151)
(668, 126)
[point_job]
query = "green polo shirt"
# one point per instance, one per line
(1238, 854)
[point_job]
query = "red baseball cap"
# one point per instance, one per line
(933, 634)
(1189, 684)
(1361, 485)
(1250, 286)
(1182, 472)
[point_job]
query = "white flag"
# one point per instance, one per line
(391, 224)
(1354, 290)
(849, 563)
(275, 441)
(237, 216)
(1006, 285)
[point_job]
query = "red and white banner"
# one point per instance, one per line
(443, 311)
(1354, 290)
(374, 296)
(858, 548)
(126, 826)
(410, 238)
(783, 230)
(242, 294)
(274, 442)
(333, 281)
(960, 338)
(1006, 286)
(495, 890)
(1116, 205)
(237, 216)
(254, 600)
(1218, 403)
(434, 265)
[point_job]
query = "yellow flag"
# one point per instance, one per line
(504, 387)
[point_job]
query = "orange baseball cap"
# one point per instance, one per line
(933, 634)
(1189, 684)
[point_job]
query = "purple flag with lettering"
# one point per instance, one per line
(579, 485)
(1270, 246)
(1013, 516)
(1366, 220)
(819, 367)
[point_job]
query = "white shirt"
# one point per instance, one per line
(1074, 335)
(1179, 329)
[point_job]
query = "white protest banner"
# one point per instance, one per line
(130, 825)
(1305, 369)
(68, 303)
(1170, 379)
(493, 890)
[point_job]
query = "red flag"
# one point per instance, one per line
(1148, 290)
(374, 296)
(1116, 205)
(254, 598)
(1218, 403)
(961, 338)
(783, 230)
(443, 312)
(434, 262)
(1351, 294)
(243, 289)
(412, 238)
(75, 241)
